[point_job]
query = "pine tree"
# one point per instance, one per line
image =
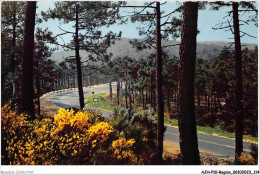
(187, 121)
(154, 36)
(160, 101)
(12, 22)
(43, 67)
(87, 17)
(27, 66)
(239, 85)
(239, 106)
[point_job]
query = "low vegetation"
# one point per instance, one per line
(219, 129)
(68, 139)
(86, 138)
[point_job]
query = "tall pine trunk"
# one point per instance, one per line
(126, 93)
(38, 87)
(169, 102)
(110, 89)
(198, 99)
(130, 96)
(187, 120)
(142, 92)
(27, 66)
(215, 102)
(78, 62)
(68, 81)
(219, 104)
(118, 92)
(239, 86)
(160, 122)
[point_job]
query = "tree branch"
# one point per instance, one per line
(132, 6)
(171, 45)
(244, 33)
(65, 30)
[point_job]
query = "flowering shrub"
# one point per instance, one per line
(99, 133)
(143, 131)
(123, 148)
(66, 120)
(68, 138)
(14, 132)
(246, 160)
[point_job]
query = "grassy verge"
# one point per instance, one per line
(213, 131)
(102, 104)
(106, 104)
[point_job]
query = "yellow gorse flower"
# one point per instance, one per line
(246, 159)
(100, 131)
(59, 140)
(66, 118)
(123, 148)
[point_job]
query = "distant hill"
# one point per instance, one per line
(205, 50)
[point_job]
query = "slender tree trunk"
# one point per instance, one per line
(211, 109)
(27, 66)
(143, 97)
(151, 90)
(176, 102)
(160, 124)
(206, 99)
(38, 87)
(219, 104)
(169, 102)
(211, 101)
(215, 103)
(110, 89)
(73, 81)
(239, 86)
(198, 99)
(68, 82)
(118, 92)
(208, 102)
(146, 99)
(227, 105)
(126, 96)
(79, 73)
(130, 96)
(154, 93)
(132, 91)
(187, 120)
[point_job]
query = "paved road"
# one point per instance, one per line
(219, 146)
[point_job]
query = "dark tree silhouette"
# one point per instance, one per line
(79, 72)
(160, 122)
(187, 121)
(239, 106)
(239, 85)
(27, 66)
(154, 22)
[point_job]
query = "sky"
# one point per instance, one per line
(206, 20)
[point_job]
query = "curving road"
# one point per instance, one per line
(70, 99)
(219, 146)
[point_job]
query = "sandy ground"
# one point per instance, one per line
(47, 107)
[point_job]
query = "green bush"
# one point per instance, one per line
(142, 130)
